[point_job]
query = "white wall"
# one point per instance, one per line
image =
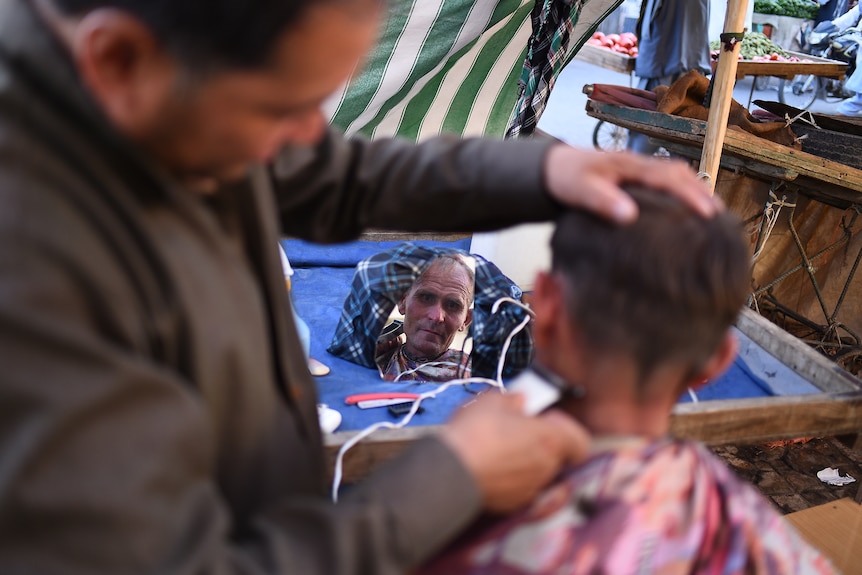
(519, 252)
(717, 11)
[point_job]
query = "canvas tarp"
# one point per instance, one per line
(464, 67)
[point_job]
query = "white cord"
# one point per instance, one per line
(514, 302)
(338, 472)
(505, 349)
(693, 395)
(339, 459)
(419, 368)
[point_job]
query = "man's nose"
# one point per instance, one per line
(307, 130)
(435, 312)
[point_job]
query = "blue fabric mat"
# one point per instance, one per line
(321, 283)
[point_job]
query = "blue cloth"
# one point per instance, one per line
(320, 286)
(321, 283)
(383, 278)
(739, 382)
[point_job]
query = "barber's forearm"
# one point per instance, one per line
(444, 184)
(429, 497)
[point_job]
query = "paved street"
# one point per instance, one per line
(566, 119)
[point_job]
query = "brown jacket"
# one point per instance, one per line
(156, 415)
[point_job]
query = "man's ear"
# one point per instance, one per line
(718, 362)
(402, 304)
(124, 67)
(547, 303)
(469, 319)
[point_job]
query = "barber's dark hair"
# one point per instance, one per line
(664, 288)
(209, 33)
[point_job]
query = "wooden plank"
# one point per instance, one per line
(736, 142)
(815, 167)
(375, 235)
(606, 58)
(732, 163)
(788, 70)
(790, 351)
(667, 126)
(761, 419)
(715, 422)
(835, 528)
(370, 452)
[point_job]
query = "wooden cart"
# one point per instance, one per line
(787, 71)
(606, 58)
(835, 410)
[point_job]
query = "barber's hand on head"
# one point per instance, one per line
(510, 455)
(591, 180)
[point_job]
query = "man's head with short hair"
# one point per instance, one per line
(437, 306)
(662, 291)
(664, 288)
(231, 33)
(207, 89)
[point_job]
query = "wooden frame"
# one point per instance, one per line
(836, 410)
(808, 64)
(823, 179)
(606, 58)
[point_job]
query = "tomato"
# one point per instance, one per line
(629, 36)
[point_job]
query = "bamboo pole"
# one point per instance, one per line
(722, 92)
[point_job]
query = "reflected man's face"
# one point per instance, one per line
(436, 308)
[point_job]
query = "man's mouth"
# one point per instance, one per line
(433, 332)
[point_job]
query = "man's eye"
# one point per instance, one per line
(454, 306)
(426, 298)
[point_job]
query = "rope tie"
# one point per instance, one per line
(771, 211)
(801, 116)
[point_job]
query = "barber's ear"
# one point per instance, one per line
(124, 67)
(719, 362)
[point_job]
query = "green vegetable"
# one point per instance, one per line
(806, 9)
(754, 44)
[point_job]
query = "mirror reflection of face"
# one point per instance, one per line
(436, 308)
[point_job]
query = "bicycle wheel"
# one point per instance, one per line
(610, 137)
(800, 92)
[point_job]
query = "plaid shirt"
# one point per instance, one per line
(382, 279)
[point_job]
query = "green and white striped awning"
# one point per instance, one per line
(465, 67)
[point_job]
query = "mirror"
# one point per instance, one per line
(447, 322)
(427, 335)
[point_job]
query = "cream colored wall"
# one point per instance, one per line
(519, 252)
